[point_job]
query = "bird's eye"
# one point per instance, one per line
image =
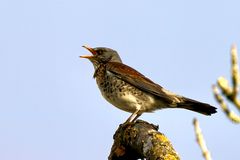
(100, 52)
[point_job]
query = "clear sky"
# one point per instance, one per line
(50, 106)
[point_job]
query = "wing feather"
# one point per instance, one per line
(138, 80)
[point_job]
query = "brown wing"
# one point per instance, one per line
(138, 80)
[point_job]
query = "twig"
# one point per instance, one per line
(235, 70)
(201, 141)
(229, 92)
(230, 114)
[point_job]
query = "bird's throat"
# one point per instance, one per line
(100, 70)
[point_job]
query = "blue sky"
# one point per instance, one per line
(50, 106)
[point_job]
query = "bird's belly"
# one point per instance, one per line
(127, 97)
(131, 102)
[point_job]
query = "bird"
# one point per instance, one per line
(131, 91)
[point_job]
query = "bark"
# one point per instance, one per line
(141, 140)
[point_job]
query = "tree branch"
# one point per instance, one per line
(141, 140)
(229, 92)
(201, 141)
(230, 114)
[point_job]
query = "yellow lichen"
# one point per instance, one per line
(170, 157)
(161, 137)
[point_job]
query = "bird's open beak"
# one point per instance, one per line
(90, 50)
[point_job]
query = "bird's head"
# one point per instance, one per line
(101, 55)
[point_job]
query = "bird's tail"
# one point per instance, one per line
(197, 106)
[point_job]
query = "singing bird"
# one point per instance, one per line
(129, 90)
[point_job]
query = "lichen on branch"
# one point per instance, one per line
(141, 140)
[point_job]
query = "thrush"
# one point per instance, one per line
(129, 90)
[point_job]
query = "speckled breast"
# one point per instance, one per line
(122, 94)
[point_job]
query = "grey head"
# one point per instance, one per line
(101, 55)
